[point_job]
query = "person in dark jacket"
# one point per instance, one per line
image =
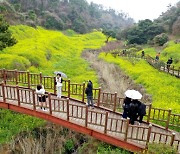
(141, 110)
(142, 54)
(126, 105)
(169, 62)
(89, 94)
(133, 112)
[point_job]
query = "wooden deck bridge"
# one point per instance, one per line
(104, 122)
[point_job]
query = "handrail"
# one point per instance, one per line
(104, 120)
(102, 99)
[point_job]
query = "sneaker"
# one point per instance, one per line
(44, 109)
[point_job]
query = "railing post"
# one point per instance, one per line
(86, 117)
(173, 69)
(106, 121)
(168, 119)
(3, 93)
(83, 93)
(67, 109)
(149, 113)
(40, 78)
(164, 67)
(126, 131)
(99, 97)
(4, 75)
(16, 76)
(54, 86)
(34, 101)
(172, 139)
(69, 90)
(50, 106)
(149, 134)
(28, 79)
(115, 101)
(18, 96)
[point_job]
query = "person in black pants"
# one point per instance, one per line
(126, 105)
(169, 62)
(89, 94)
(141, 110)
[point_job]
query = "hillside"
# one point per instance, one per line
(40, 50)
(47, 51)
(61, 14)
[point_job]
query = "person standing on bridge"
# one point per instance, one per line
(89, 94)
(59, 81)
(126, 107)
(42, 98)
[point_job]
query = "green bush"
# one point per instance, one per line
(107, 149)
(69, 146)
(161, 39)
(154, 148)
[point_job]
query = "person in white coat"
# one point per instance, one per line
(42, 98)
(59, 81)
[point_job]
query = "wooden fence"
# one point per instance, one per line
(110, 101)
(102, 120)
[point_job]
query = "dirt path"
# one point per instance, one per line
(111, 78)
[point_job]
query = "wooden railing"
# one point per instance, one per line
(156, 64)
(163, 66)
(102, 120)
(103, 99)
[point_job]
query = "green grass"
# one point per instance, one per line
(40, 50)
(165, 89)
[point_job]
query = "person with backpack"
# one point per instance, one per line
(89, 94)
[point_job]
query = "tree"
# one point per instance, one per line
(6, 38)
(109, 33)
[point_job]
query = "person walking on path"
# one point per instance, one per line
(157, 57)
(42, 98)
(142, 54)
(169, 62)
(89, 94)
(59, 81)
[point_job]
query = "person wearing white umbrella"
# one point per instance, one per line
(59, 81)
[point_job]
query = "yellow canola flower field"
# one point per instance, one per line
(164, 88)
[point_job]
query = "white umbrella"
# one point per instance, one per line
(133, 94)
(62, 74)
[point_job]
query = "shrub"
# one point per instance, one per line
(154, 148)
(69, 146)
(161, 39)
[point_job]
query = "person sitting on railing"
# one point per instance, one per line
(126, 105)
(89, 94)
(42, 98)
(169, 62)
